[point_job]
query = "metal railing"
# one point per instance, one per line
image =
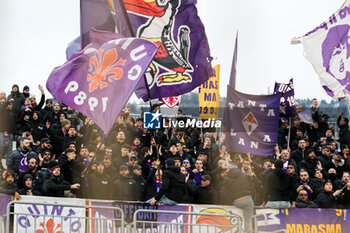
(185, 226)
(92, 224)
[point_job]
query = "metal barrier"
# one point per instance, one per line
(2, 223)
(184, 226)
(92, 224)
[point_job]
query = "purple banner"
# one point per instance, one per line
(252, 122)
(304, 220)
(287, 105)
(103, 218)
(99, 80)
(183, 60)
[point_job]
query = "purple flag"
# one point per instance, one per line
(287, 105)
(94, 14)
(306, 116)
(232, 82)
(98, 80)
(183, 59)
(252, 122)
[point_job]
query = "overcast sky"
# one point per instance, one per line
(35, 34)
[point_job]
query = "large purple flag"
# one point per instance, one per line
(252, 122)
(287, 105)
(183, 59)
(100, 14)
(99, 80)
(232, 82)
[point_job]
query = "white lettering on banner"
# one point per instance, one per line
(267, 138)
(271, 112)
(60, 217)
(251, 103)
(272, 218)
(262, 107)
(231, 105)
(80, 98)
(240, 104)
(254, 145)
(241, 142)
(233, 133)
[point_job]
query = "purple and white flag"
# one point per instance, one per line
(99, 80)
(287, 105)
(306, 116)
(183, 60)
(252, 122)
(327, 47)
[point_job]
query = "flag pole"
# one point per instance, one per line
(289, 130)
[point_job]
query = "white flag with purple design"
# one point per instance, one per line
(99, 80)
(327, 47)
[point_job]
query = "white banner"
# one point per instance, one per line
(231, 224)
(40, 217)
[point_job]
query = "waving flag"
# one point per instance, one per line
(99, 80)
(287, 105)
(327, 47)
(183, 60)
(306, 116)
(252, 122)
(232, 82)
(208, 96)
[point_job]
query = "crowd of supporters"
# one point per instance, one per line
(61, 153)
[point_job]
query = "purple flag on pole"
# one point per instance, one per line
(232, 82)
(287, 105)
(183, 59)
(252, 122)
(99, 80)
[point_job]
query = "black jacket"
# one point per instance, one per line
(302, 204)
(344, 133)
(205, 195)
(173, 186)
(235, 185)
(123, 188)
(309, 165)
(298, 155)
(326, 200)
(139, 188)
(56, 186)
(100, 186)
(279, 186)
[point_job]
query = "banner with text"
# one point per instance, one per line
(49, 216)
(208, 94)
(251, 122)
(304, 220)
